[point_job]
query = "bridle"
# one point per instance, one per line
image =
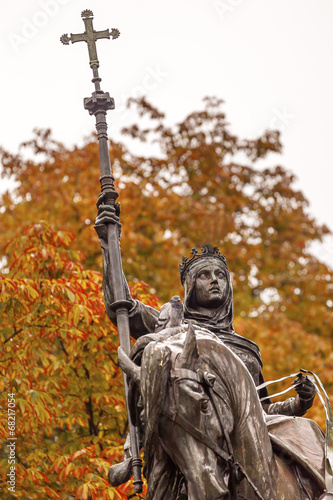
(237, 472)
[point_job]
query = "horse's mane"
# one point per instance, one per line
(161, 473)
(155, 369)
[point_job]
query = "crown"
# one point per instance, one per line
(207, 251)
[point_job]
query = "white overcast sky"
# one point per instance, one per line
(270, 60)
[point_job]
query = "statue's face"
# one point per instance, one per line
(211, 286)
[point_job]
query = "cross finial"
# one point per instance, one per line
(90, 36)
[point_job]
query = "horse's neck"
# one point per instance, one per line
(250, 440)
(244, 419)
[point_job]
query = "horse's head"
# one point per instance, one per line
(190, 428)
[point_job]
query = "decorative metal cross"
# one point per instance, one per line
(90, 36)
(98, 104)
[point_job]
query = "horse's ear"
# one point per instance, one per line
(189, 354)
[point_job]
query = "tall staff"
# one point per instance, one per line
(98, 104)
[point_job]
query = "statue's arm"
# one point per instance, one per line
(142, 318)
(293, 407)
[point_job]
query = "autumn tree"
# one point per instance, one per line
(203, 185)
(58, 356)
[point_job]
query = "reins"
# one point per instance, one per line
(314, 379)
(322, 394)
(197, 434)
(236, 469)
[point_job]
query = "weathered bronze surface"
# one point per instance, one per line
(192, 397)
(205, 434)
(98, 104)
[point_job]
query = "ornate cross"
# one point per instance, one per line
(90, 36)
(100, 102)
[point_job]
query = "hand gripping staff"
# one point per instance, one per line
(98, 104)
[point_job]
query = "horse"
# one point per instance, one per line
(205, 435)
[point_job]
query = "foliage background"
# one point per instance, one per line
(58, 349)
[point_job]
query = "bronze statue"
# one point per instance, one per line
(193, 398)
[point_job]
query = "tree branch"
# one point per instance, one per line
(16, 332)
(65, 351)
(92, 427)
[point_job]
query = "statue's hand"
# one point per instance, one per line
(107, 214)
(306, 391)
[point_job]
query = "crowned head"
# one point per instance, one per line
(208, 253)
(207, 287)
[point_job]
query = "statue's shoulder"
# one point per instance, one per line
(239, 342)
